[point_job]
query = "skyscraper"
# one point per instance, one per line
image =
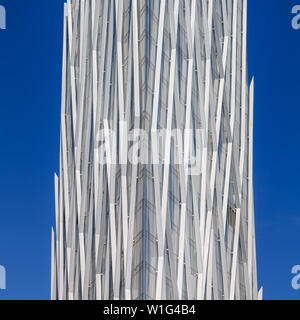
(155, 194)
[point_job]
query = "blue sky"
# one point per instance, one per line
(273, 56)
(30, 80)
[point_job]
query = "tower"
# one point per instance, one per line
(155, 194)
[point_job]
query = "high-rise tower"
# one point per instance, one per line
(155, 194)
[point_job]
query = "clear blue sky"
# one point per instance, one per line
(30, 80)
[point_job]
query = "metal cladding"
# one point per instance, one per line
(155, 194)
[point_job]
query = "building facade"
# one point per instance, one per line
(155, 194)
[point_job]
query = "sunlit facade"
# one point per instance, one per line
(164, 226)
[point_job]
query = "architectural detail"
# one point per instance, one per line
(155, 194)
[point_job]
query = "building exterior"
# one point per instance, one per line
(155, 194)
